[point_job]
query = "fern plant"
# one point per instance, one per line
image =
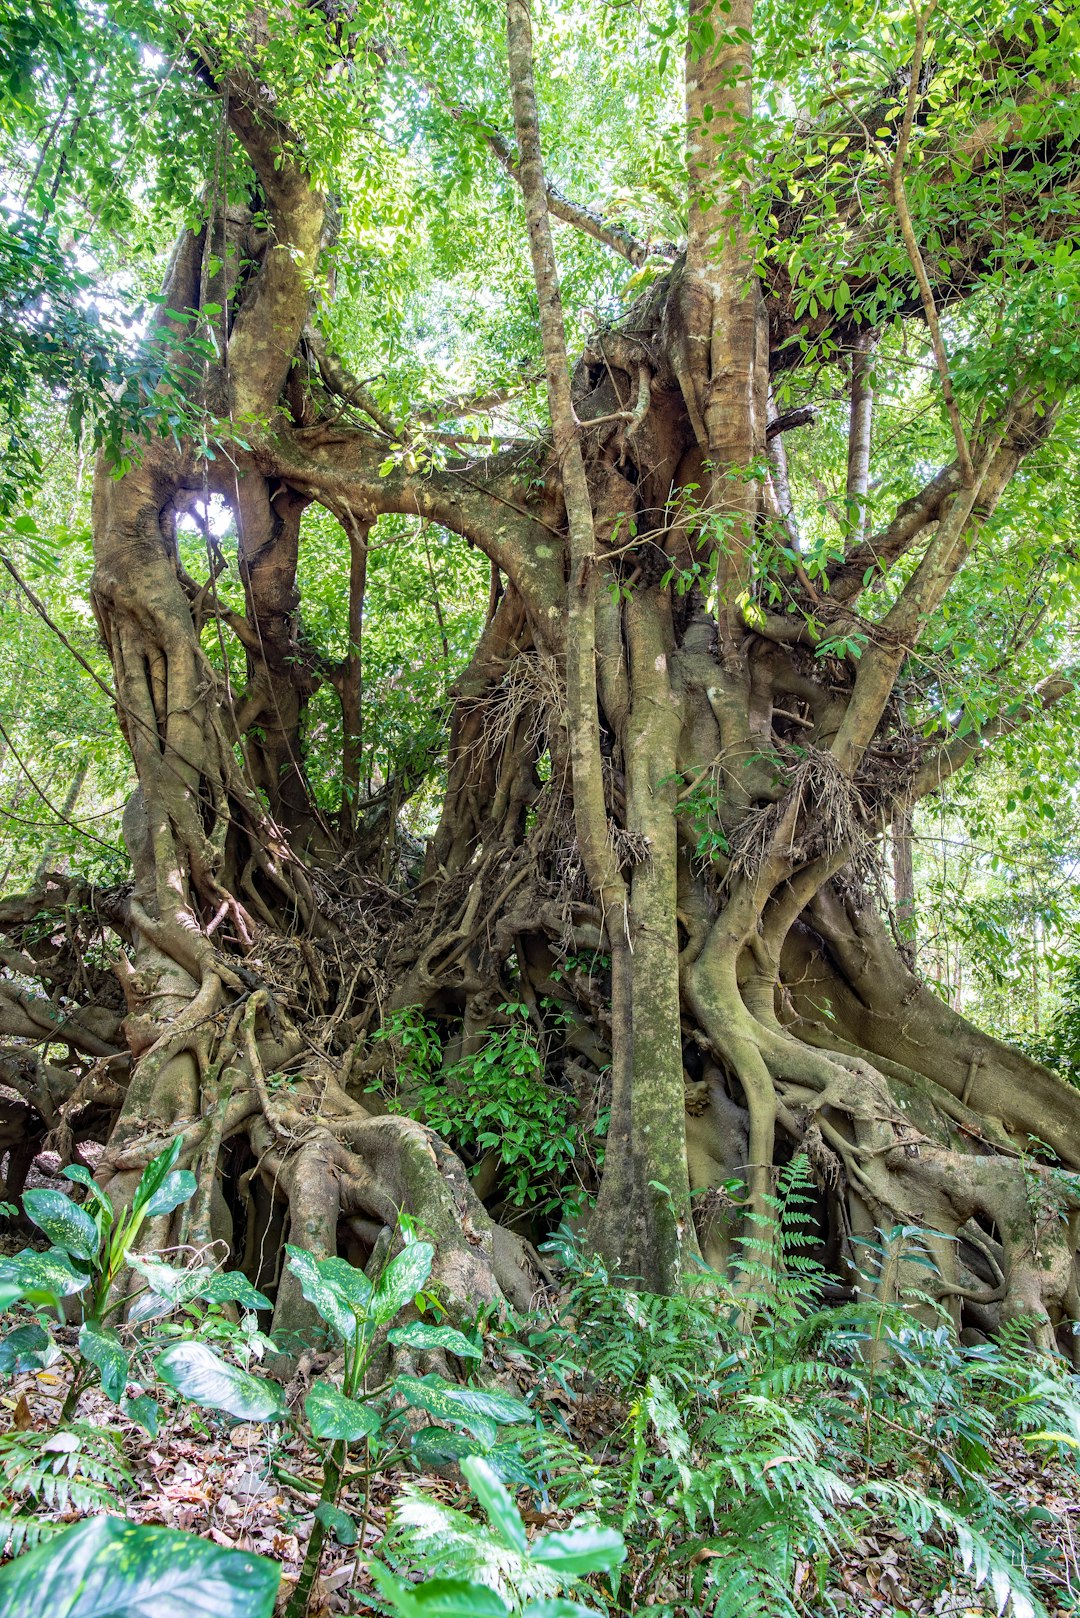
(749, 1459)
(488, 1569)
(80, 1469)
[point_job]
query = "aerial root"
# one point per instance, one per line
(320, 1171)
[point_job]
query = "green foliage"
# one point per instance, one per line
(78, 1468)
(1059, 1045)
(761, 1430)
(494, 1101)
(490, 1567)
(106, 1568)
(55, 335)
(196, 1372)
(91, 1254)
(758, 1433)
(764, 1432)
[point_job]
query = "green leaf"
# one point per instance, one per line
(471, 1407)
(65, 1224)
(436, 1446)
(106, 1568)
(196, 1373)
(173, 1190)
(558, 1607)
(230, 1286)
(102, 1348)
(143, 1410)
(502, 1513)
(43, 1277)
(81, 1176)
(331, 1414)
(458, 1598)
(401, 1281)
(27, 1348)
(438, 1598)
(323, 1286)
(154, 1176)
(170, 1286)
(339, 1522)
(432, 1396)
(580, 1550)
(500, 1407)
(10, 1292)
(351, 1284)
(418, 1334)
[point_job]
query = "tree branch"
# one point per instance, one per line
(914, 253)
(860, 425)
(912, 518)
(1004, 447)
(587, 220)
(952, 756)
(345, 386)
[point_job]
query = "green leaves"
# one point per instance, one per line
(337, 1521)
(173, 1190)
(230, 1286)
(419, 1334)
(42, 1277)
(10, 1292)
(480, 1412)
(341, 1298)
(160, 1190)
(103, 1349)
(196, 1373)
(565, 1555)
(331, 1414)
(95, 1194)
(496, 1097)
(105, 1568)
(346, 1299)
(142, 1409)
(456, 1403)
(577, 1551)
(570, 1554)
(170, 1287)
(502, 1513)
(27, 1348)
(67, 1226)
(438, 1598)
(401, 1281)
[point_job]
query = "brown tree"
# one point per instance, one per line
(755, 1001)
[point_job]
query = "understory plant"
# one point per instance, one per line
(115, 1291)
(489, 1569)
(340, 1417)
(763, 1432)
(753, 1436)
(495, 1100)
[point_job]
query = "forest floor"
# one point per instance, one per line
(206, 1474)
(216, 1479)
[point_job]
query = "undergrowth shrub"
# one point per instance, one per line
(495, 1100)
(762, 1432)
(718, 1453)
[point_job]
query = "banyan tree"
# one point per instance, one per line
(729, 512)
